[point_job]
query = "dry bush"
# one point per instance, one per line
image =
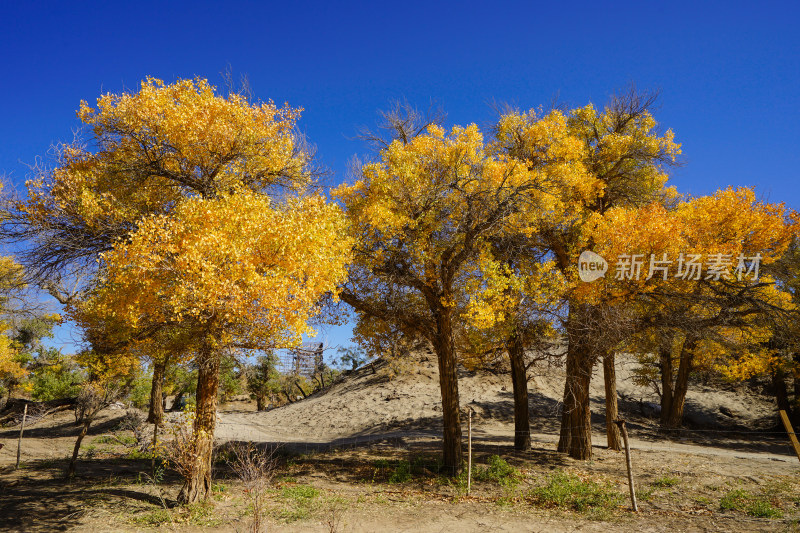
(255, 467)
(180, 447)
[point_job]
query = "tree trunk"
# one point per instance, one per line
(448, 383)
(519, 380)
(665, 357)
(260, 403)
(156, 414)
(612, 410)
(87, 421)
(576, 422)
(198, 485)
(177, 401)
(675, 416)
(781, 394)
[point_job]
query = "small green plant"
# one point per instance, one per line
(569, 491)
(137, 454)
(665, 482)
(645, 494)
(299, 492)
(499, 471)
(734, 500)
(152, 518)
(761, 508)
(401, 473)
(741, 500)
(300, 501)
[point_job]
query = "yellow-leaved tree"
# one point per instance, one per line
(424, 214)
(710, 300)
(610, 157)
(172, 215)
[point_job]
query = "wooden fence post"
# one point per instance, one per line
(790, 430)
(621, 424)
(21, 429)
(469, 452)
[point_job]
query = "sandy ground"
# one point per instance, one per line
(334, 439)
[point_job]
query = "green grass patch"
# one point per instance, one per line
(665, 482)
(645, 494)
(298, 502)
(401, 473)
(152, 518)
(752, 505)
(299, 493)
(568, 491)
(499, 471)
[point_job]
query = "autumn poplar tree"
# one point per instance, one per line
(422, 215)
(138, 198)
(719, 318)
(612, 157)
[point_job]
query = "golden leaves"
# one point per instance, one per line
(236, 265)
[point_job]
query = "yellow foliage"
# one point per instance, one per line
(235, 267)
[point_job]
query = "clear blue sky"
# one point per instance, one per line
(729, 73)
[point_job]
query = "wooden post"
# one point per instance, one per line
(469, 451)
(21, 429)
(153, 451)
(621, 424)
(790, 431)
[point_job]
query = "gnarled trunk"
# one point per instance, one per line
(448, 383)
(612, 411)
(519, 379)
(198, 485)
(156, 413)
(576, 422)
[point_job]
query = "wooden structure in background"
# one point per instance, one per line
(304, 360)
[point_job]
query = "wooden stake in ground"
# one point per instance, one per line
(621, 424)
(469, 451)
(154, 450)
(790, 431)
(21, 429)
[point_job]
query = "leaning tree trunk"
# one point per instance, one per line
(448, 383)
(87, 421)
(612, 410)
(675, 414)
(156, 414)
(519, 380)
(198, 484)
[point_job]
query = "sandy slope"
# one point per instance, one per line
(371, 404)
